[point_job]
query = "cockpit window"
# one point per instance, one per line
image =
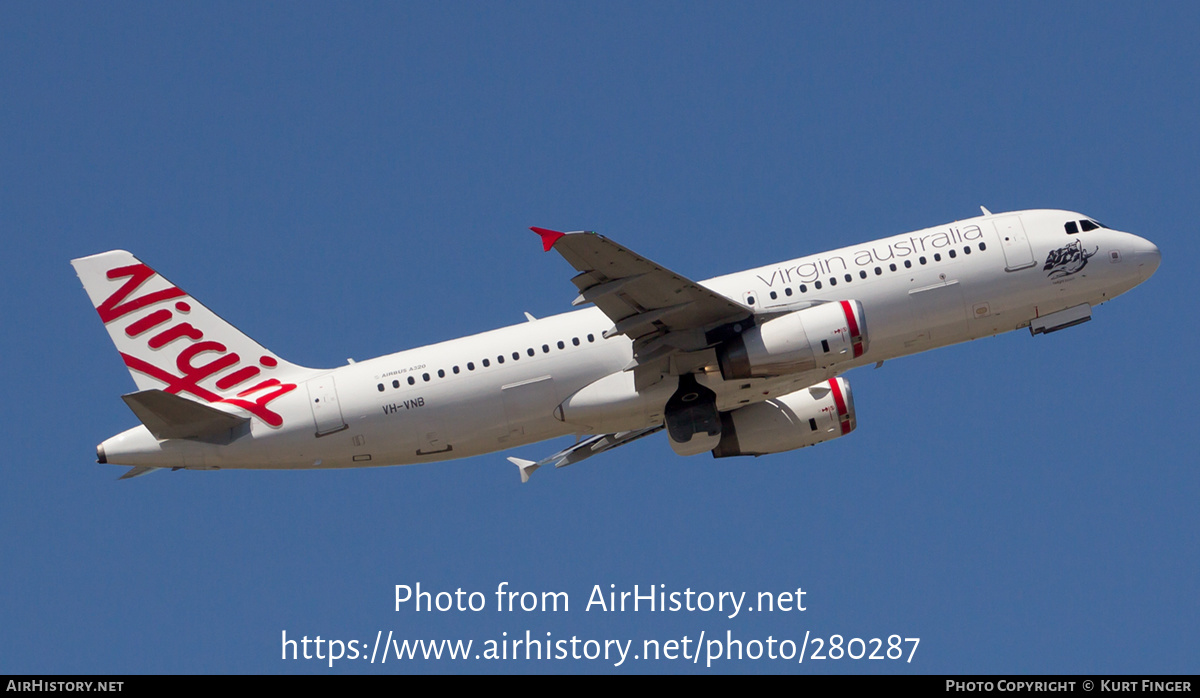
(1084, 225)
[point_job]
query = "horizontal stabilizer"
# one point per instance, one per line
(169, 416)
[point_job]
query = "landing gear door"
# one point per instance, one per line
(1015, 243)
(323, 398)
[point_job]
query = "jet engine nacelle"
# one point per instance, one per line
(817, 337)
(806, 417)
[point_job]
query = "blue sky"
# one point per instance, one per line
(351, 181)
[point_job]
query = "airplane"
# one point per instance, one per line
(746, 364)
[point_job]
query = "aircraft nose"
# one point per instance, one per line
(1147, 256)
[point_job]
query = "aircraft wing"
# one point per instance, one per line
(663, 312)
(137, 472)
(585, 448)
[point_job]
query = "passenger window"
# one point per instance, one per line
(381, 387)
(561, 345)
(832, 281)
(486, 363)
(749, 300)
(908, 264)
(470, 365)
(1086, 225)
(500, 359)
(849, 278)
(774, 295)
(878, 271)
(862, 274)
(530, 351)
(516, 356)
(982, 246)
(395, 384)
(425, 377)
(803, 288)
(787, 291)
(455, 370)
(412, 381)
(922, 260)
(591, 338)
(441, 373)
(817, 285)
(953, 254)
(545, 348)
(937, 257)
(892, 267)
(967, 249)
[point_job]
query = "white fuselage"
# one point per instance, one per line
(499, 389)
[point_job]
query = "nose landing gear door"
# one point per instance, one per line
(327, 412)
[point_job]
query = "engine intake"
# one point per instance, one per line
(818, 337)
(804, 418)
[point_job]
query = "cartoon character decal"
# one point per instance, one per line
(1068, 260)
